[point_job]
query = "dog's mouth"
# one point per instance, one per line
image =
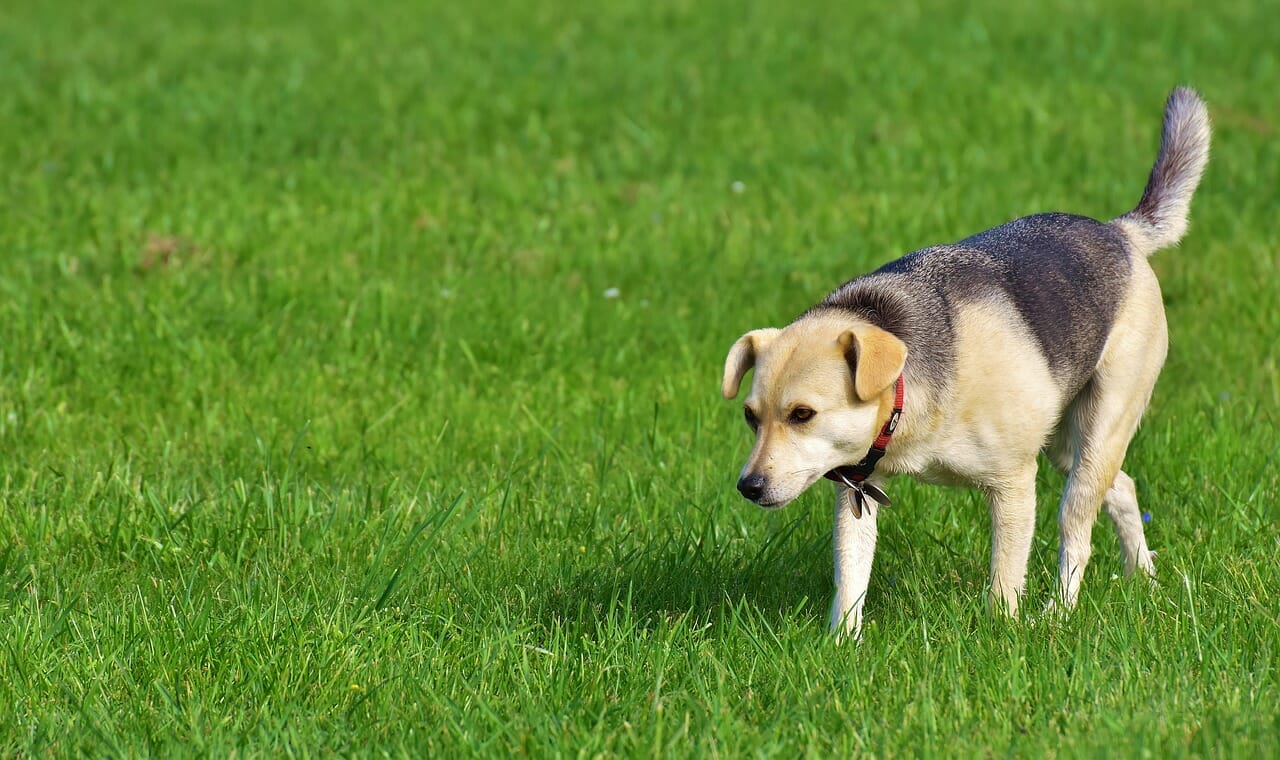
(847, 475)
(842, 474)
(772, 505)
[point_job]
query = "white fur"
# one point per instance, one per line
(855, 548)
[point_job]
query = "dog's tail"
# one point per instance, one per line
(1160, 220)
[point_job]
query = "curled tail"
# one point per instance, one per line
(1160, 220)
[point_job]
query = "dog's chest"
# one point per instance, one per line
(932, 465)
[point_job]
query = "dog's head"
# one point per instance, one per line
(822, 388)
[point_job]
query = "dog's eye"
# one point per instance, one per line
(752, 421)
(801, 414)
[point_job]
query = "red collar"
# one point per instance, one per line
(855, 475)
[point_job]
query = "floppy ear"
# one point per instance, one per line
(742, 357)
(875, 358)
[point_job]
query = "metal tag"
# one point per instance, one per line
(853, 497)
(875, 493)
(858, 493)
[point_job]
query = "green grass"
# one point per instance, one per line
(318, 434)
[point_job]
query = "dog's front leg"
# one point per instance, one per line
(855, 546)
(1013, 524)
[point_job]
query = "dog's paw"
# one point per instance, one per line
(1057, 609)
(846, 631)
(843, 637)
(1147, 566)
(1003, 605)
(846, 627)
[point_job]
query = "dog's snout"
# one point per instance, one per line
(752, 486)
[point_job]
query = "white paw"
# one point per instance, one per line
(847, 627)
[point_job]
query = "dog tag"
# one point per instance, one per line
(875, 493)
(858, 494)
(853, 497)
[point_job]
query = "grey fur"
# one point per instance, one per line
(917, 313)
(1064, 274)
(1161, 216)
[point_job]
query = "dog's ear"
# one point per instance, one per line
(742, 357)
(875, 358)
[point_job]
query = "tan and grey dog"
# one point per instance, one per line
(1043, 334)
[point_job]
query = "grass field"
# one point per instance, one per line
(359, 370)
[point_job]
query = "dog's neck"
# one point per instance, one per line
(857, 473)
(909, 422)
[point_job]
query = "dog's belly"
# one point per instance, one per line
(940, 474)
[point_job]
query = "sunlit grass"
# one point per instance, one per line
(359, 373)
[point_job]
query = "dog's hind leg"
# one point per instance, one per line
(1102, 421)
(1121, 505)
(1091, 476)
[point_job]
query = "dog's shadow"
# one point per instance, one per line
(782, 572)
(692, 577)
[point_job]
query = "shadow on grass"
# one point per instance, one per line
(691, 577)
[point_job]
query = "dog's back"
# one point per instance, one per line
(1064, 274)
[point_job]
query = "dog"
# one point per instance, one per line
(959, 364)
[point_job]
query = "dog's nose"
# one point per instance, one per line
(751, 486)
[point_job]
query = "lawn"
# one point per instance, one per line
(359, 377)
